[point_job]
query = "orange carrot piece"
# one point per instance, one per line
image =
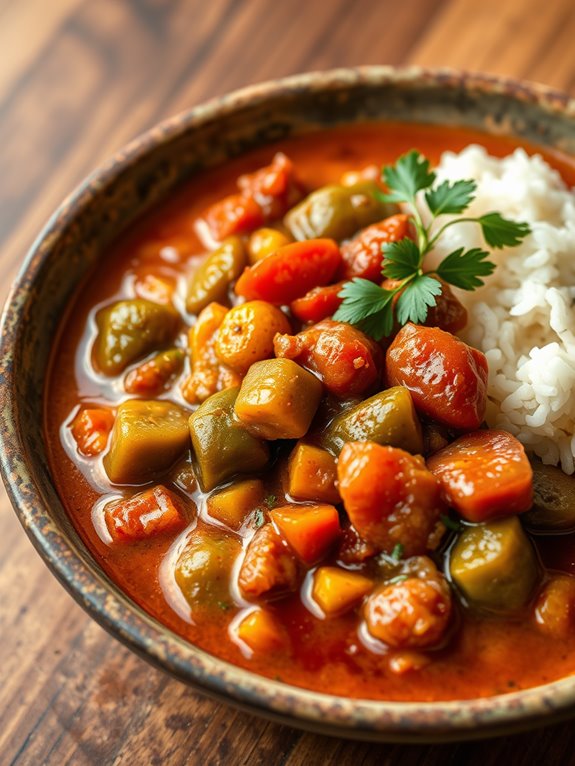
(484, 475)
(310, 530)
(261, 631)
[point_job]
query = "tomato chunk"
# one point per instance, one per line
(264, 196)
(235, 214)
(484, 475)
(269, 568)
(275, 188)
(390, 496)
(411, 614)
(446, 377)
(91, 429)
(363, 256)
(347, 361)
(318, 304)
(147, 514)
(309, 530)
(290, 272)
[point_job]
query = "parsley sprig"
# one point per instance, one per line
(375, 309)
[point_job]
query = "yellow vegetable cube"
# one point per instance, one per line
(232, 504)
(278, 399)
(312, 473)
(261, 631)
(147, 438)
(337, 591)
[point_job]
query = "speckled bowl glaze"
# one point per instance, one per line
(68, 248)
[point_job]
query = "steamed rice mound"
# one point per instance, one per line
(523, 319)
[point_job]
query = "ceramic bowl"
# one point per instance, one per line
(81, 229)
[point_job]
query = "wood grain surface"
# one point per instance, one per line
(79, 78)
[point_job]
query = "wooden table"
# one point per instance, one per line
(78, 78)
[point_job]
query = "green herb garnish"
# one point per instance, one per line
(224, 605)
(270, 501)
(374, 309)
(450, 523)
(259, 518)
(397, 552)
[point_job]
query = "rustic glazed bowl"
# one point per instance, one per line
(69, 247)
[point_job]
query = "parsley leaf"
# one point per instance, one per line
(372, 308)
(449, 523)
(397, 552)
(450, 197)
(270, 501)
(462, 268)
(401, 259)
(417, 296)
(410, 174)
(501, 232)
(367, 305)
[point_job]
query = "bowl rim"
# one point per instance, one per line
(78, 572)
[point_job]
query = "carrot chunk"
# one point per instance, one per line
(312, 474)
(484, 475)
(290, 272)
(337, 591)
(148, 514)
(309, 530)
(318, 304)
(261, 631)
(91, 429)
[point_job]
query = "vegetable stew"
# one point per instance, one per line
(297, 494)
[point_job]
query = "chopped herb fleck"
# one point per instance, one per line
(397, 552)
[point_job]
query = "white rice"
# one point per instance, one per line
(523, 319)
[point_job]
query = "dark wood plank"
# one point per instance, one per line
(77, 80)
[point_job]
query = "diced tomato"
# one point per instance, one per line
(390, 496)
(275, 188)
(153, 376)
(310, 530)
(353, 549)
(318, 304)
(150, 513)
(269, 568)
(446, 377)
(264, 196)
(484, 475)
(290, 272)
(346, 360)
(236, 214)
(158, 289)
(363, 256)
(91, 428)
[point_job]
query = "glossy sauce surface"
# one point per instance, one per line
(483, 656)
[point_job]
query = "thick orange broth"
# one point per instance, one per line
(484, 656)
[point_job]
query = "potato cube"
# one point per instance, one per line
(148, 436)
(278, 399)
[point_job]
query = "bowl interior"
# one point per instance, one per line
(71, 245)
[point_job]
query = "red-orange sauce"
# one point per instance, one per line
(484, 657)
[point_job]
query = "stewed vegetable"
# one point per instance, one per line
(283, 437)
